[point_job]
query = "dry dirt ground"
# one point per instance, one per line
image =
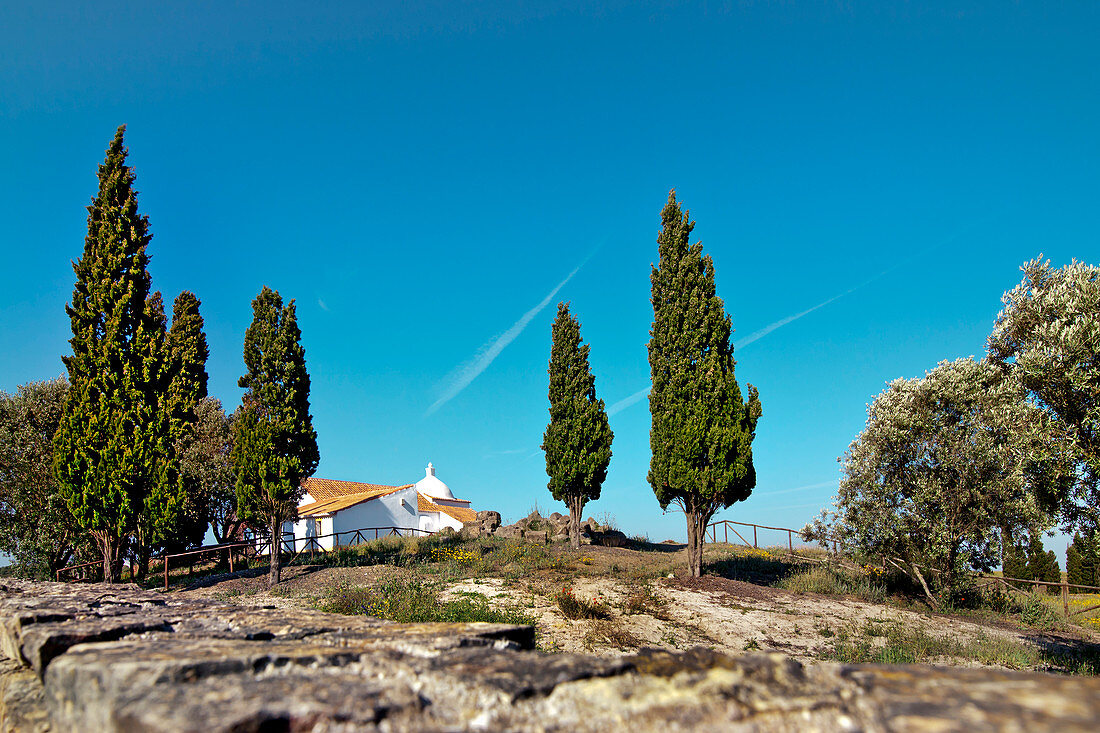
(676, 612)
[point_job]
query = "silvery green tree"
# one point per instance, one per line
(702, 432)
(942, 472)
(36, 527)
(274, 444)
(577, 441)
(112, 448)
(1047, 336)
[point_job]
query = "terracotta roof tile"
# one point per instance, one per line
(322, 489)
(335, 504)
(462, 514)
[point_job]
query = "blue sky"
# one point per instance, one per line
(423, 177)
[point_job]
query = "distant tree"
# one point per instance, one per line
(1042, 564)
(702, 432)
(205, 461)
(109, 448)
(939, 477)
(274, 444)
(1048, 337)
(1014, 560)
(1083, 561)
(577, 440)
(36, 528)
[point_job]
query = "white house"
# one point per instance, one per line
(438, 507)
(332, 511)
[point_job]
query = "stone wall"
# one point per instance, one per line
(117, 658)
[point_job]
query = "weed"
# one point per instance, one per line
(574, 608)
(603, 632)
(751, 645)
(645, 601)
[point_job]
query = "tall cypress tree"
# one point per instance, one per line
(701, 438)
(577, 441)
(106, 447)
(162, 492)
(274, 444)
(187, 387)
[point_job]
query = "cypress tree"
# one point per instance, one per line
(577, 440)
(162, 495)
(1041, 564)
(187, 387)
(1074, 576)
(106, 447)
(274, 444)
(701, 438)
(1082, 561)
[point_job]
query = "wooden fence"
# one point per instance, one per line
(727, 525)
(91, 571)
(1007, 583)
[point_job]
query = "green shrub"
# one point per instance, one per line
(412, 601)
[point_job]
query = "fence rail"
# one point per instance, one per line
(244, 550)
(726, 528)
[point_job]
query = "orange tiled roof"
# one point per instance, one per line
(336, 503)
(462, 514)
(326, 488)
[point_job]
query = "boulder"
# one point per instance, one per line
(489, 519)
(538, 537)
(610, 538)
(470, 531)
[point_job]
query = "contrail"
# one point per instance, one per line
(461, 377)
(757, 335)
(627, 401)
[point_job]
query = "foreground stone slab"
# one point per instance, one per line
(116, 658)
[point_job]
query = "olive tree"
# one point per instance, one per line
(1047, 337)
(942, 472)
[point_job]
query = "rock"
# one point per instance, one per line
(446, 532)
(202, 665)
(556, 516)
(610, 538)
(591, 525)
(535, 536)
(560, 538)
(470, 531)
(489, 519)
(508, 531)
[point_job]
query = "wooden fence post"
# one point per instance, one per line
(1065, 597)
(790, 541)
(165, 572)
(754, 536)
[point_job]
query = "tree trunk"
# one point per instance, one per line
(142, 565)
(919, 577)
(108, 547)
(696, 530)
(576, 506)
(276, 545)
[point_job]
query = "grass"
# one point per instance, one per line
(835, 581)
(414, 601)
(892, 643)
